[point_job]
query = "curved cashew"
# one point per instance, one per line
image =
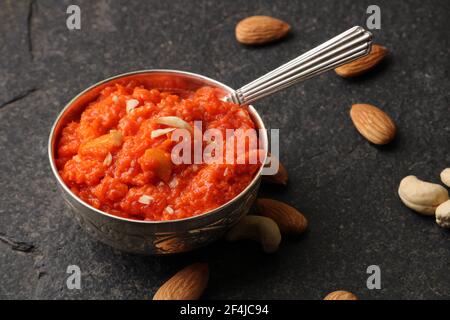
(445, 177)
(443, 214)
(257, 228)
(421, 196)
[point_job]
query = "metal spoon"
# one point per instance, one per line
(345, 47)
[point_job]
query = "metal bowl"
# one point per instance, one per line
(153, 237)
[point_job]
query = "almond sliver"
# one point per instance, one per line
(108, 159)
(131, 105)
(169, 210)
(160, 132)
(174, 122)
(145, 199)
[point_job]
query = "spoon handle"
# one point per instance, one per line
(347, 46)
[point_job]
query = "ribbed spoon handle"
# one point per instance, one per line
(347, 46)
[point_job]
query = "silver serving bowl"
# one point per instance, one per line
(153, 237)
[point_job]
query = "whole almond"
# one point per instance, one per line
(289, 220)
(340, 295)
(187, 284)
(373, 123)
(257, 30)
(281, 177)
(361, 65)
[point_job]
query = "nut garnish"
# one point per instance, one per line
(169, 210)
(160, 132)
(257, 228)
(109, 141)
(361, 65)
(281, 177)
(132, 104)
(420, 196)
(145, 199)
(373, 123)
(173, 121)
(257, 30)
(162, 164)
(289, 220)
(173, 183)
(340, 295)
(108, 159)
(443, 214)
(187, 284)
(445, 177)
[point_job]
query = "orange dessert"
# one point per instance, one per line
(117, 157)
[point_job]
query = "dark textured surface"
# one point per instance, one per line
(344, 185)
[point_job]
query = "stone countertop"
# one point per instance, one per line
(344, 185)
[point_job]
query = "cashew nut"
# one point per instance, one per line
(257, 228)
(445, 177)
(443, 214)
(421, 196)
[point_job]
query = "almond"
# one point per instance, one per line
(374, 124)
(340, 295)
(187, 284)
(261, 29)
(288, 219)
(361, 65)
(281, 177)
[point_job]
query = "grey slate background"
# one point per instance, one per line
(345, 186)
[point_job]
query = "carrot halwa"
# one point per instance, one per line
(117, 157)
